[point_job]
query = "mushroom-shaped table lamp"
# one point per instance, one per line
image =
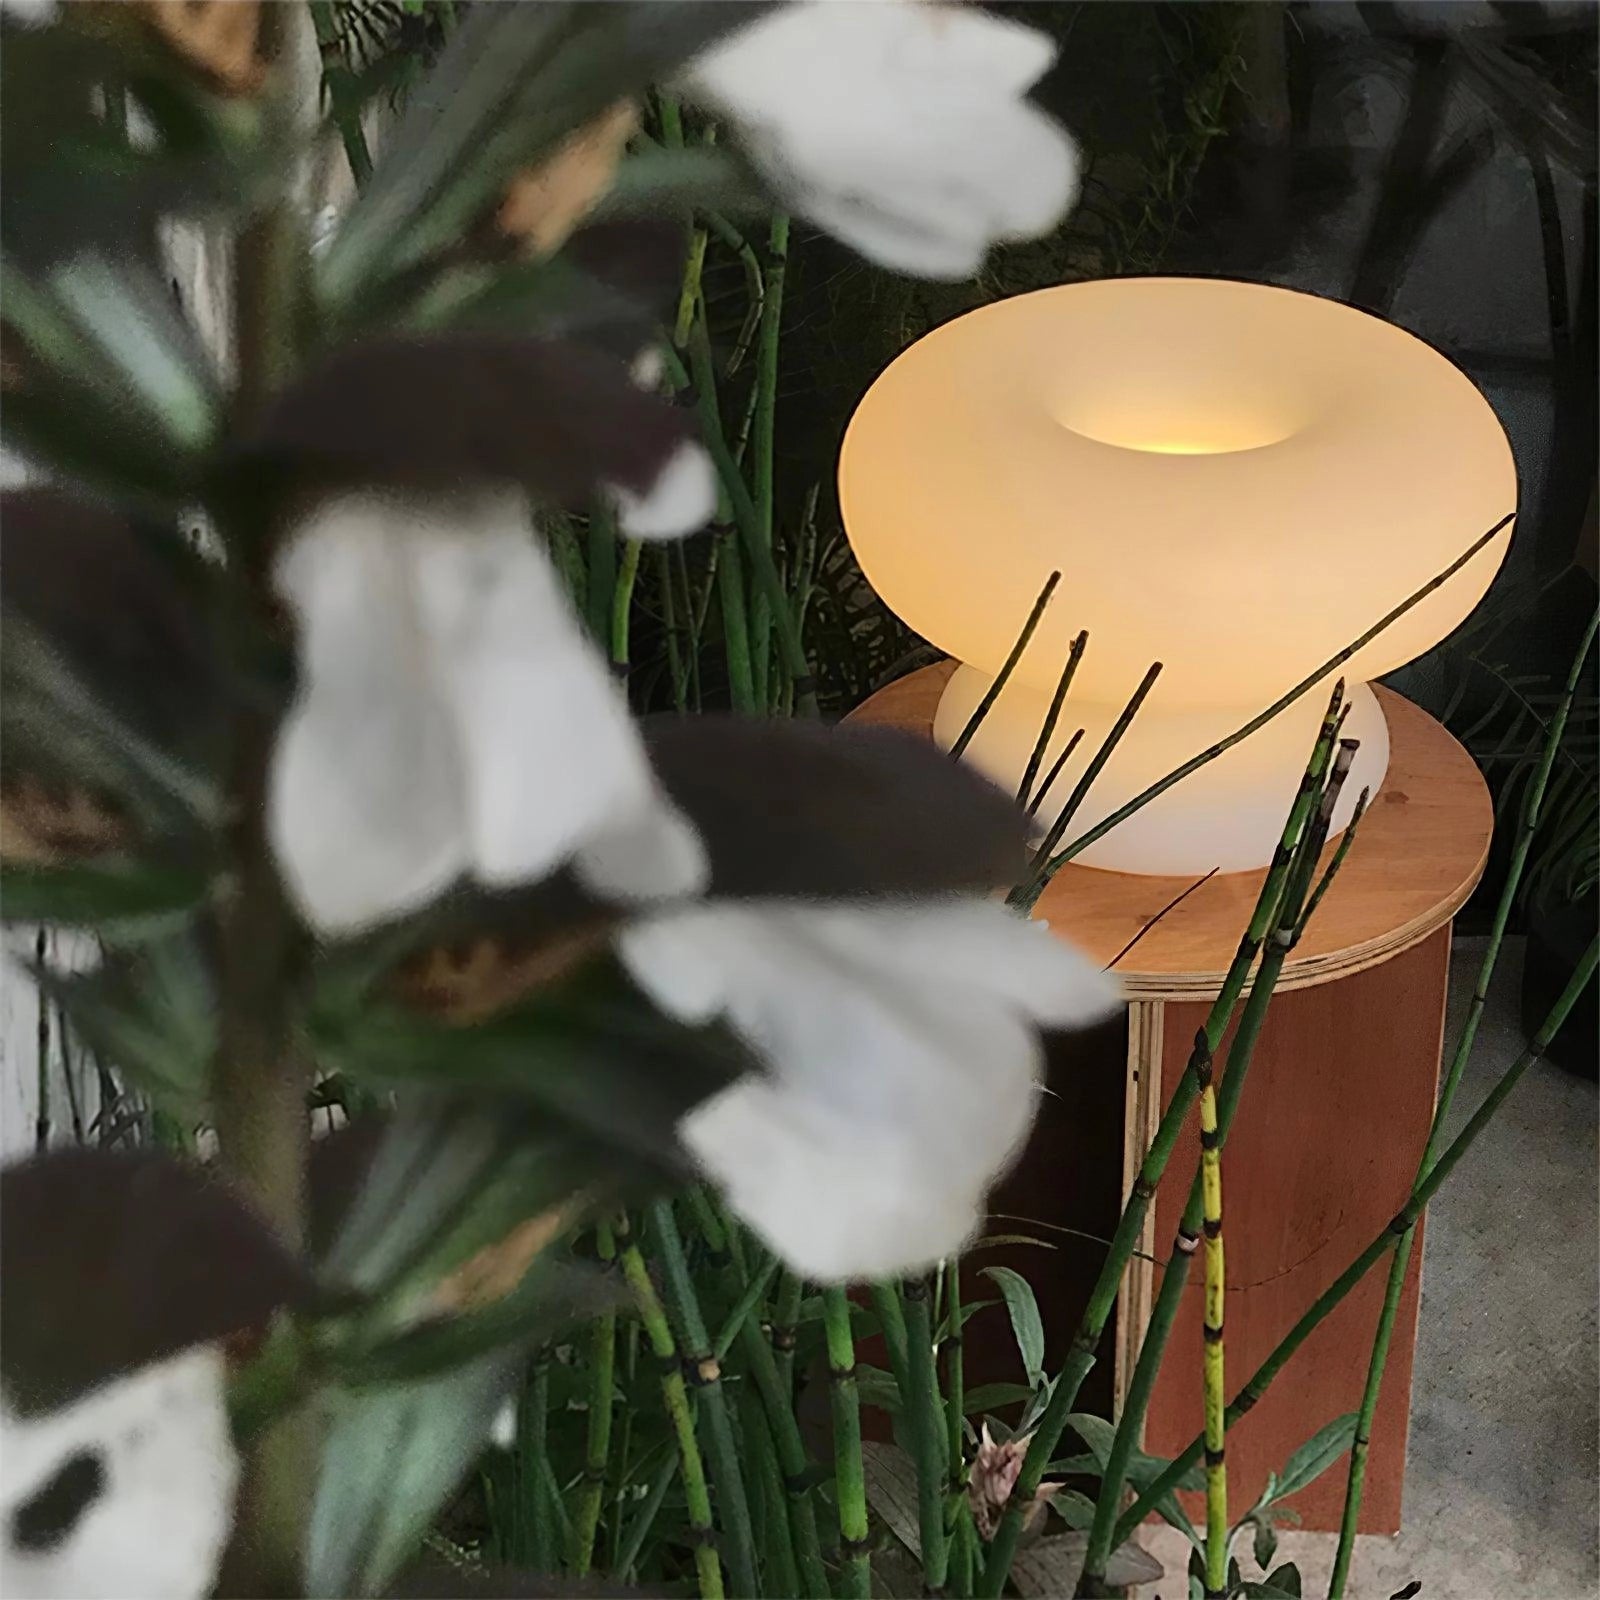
(1233, 479)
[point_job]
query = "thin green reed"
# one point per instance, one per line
(733, 1506)
(1086, 1340)
(1289, 920)
(675, 1397)
(1533, 802)
(1405, 1219)
(850, 1484)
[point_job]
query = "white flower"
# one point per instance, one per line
(452, 718)
(30, 13)
(125, 1494)
(900, 126)
(902, 1058)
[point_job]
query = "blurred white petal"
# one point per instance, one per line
(452, 717)
(554, 763)
(140, 1477)
(366, 810)
(30, 13)
(899, 126)
(902, 1059)
(679, 502)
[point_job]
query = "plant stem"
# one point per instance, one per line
(993, 692)
(744, 516)
(785, 1314)
(601, 586)
(892, 1325)
(533, 1420)
(732, 1505)
(1288, 921)
(766, 402)
(1310, 681)
(1404, 1220)
(1050, 777)
(1215, 1389)
(1532, 805)
(927, 1428)
(955, 1385)
(1027, 897)
(1125, 1240)
(602, 1384)
(622, 602)
(849, 1470)
(259, 1081)
(674, 1393)
(1048, 726)
(336, 81)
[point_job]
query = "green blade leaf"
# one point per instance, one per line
(1026, 1324)
(1316, 1455)
(391, 1459)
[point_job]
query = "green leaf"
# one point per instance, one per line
(658, 182)
(553, 1295)
(968, 1310)
(994, 1396)
(510, 85)
(1316, 1455)
(125, 898)
(877, 1388)
(592, 1051)
(150, 1012)
(1143, 1470)
(1284, 1584)
(1077, 1510)
(115, 389)
(1264, 1542)
(391, 1459)
(448, 1177)
(1026, 1324)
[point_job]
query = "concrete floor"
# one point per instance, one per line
(1502, 1495)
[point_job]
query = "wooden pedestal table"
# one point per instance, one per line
(1333, 1119)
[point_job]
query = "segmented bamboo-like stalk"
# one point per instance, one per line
(765, 398)
(675, 1396)
(1405, 1219)
(781, 1331)
(927, 1430)
(1048, 727)
(533, 1452)
(1003, 677)
(892, 1325)
(1289, 920)
(1310, 681)
(1026, 896)
(597, 1452)
(1215, 1382)
(705, 1371)
(797, 1541)
(1125, 1240)
(1532, 806)
(850, 1479)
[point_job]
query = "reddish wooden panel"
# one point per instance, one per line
(1326, 1144)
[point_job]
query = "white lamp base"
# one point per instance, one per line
(1228, 815)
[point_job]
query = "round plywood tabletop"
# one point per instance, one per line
(1419, 853)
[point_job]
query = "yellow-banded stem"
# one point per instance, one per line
(1215, 1385)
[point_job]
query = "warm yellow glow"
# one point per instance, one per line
(1233, 479)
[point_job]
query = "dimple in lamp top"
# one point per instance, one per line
(1232, 478)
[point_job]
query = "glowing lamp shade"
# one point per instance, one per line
(1234, 480)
